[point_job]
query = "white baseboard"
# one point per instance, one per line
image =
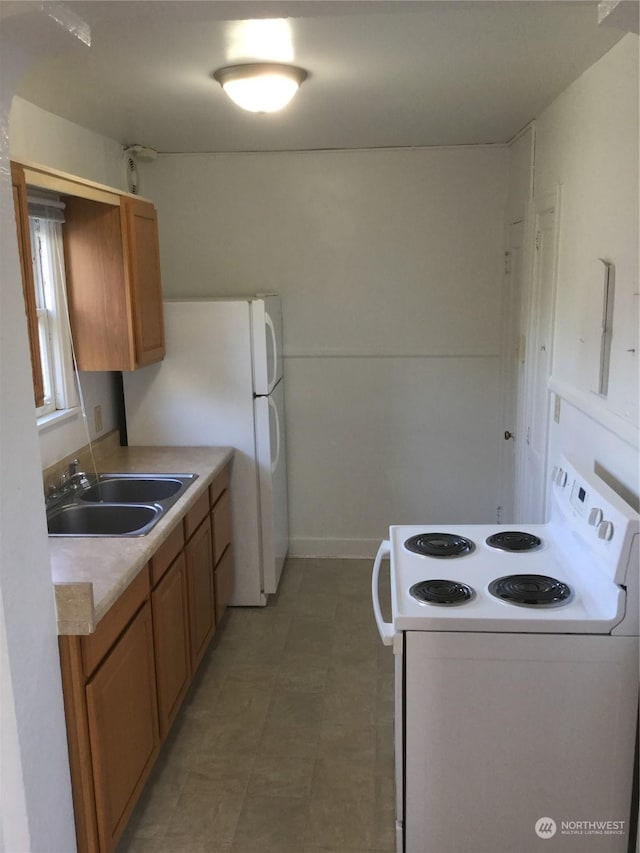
(334, 548)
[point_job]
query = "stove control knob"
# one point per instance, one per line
(605, 530)
(595, 517)
(561, 478)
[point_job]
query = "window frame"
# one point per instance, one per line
(54, 330)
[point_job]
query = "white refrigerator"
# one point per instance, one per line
(221, 383)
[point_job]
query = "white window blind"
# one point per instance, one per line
(45, 207)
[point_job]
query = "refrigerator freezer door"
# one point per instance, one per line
(271, 457)
(266, 331)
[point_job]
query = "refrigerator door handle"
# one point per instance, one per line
(271, 380)
(385, 629)
(274, 462)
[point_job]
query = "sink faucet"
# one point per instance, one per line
(70, 481)
(76, 479)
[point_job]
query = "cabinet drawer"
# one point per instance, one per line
(223, 579)
(218, 486)
(166, 553)
(221, 525)
(95, 646)
(195, 515)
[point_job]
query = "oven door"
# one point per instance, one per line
(518, 742)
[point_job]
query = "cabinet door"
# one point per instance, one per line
(223, 583)
(222, 552)
(221, 525)
(96, 288)
(26, 269)
(171, 638)
(123, 726)
(201, 591)
(143, 269)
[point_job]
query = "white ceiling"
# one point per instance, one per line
(380, 73)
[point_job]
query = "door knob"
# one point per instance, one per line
(508, 435)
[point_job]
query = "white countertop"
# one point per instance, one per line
(89, 574)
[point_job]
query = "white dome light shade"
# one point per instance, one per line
(261, 87)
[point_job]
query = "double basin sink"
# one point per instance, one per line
(116, 504)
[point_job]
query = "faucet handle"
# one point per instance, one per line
(73, 467)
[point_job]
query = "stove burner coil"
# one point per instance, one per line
(514, 540)
(440, 545)
(531, 590)
(443, 593)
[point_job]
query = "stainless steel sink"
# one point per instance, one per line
(115, 504)
(123, 488)
(106, 519)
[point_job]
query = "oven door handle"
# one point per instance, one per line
(385, 629)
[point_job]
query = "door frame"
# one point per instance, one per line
(545, 202)
(512, 294)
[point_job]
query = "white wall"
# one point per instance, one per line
(389, 266)
(38, 136)
(587, 141)
(36, 812)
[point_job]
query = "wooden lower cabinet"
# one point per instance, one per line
(200, 584)
(223, 582)
(222, 549)
(170, 606)
(221, 525)
(123, 685)
(123, 726)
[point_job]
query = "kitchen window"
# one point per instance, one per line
(46, 216)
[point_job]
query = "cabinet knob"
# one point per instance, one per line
(508, 435)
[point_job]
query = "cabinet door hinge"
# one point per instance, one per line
(507, 263)
(537, 241)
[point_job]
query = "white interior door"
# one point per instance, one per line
(534, 429)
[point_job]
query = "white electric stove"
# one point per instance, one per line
(517, 677)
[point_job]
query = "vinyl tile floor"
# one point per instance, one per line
(284, 741)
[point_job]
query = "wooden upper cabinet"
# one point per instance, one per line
(142, 255)
(96, 291)
(113, 283)
(112, 266)
(26, 269)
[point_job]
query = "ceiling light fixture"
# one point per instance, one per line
(261, 87)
